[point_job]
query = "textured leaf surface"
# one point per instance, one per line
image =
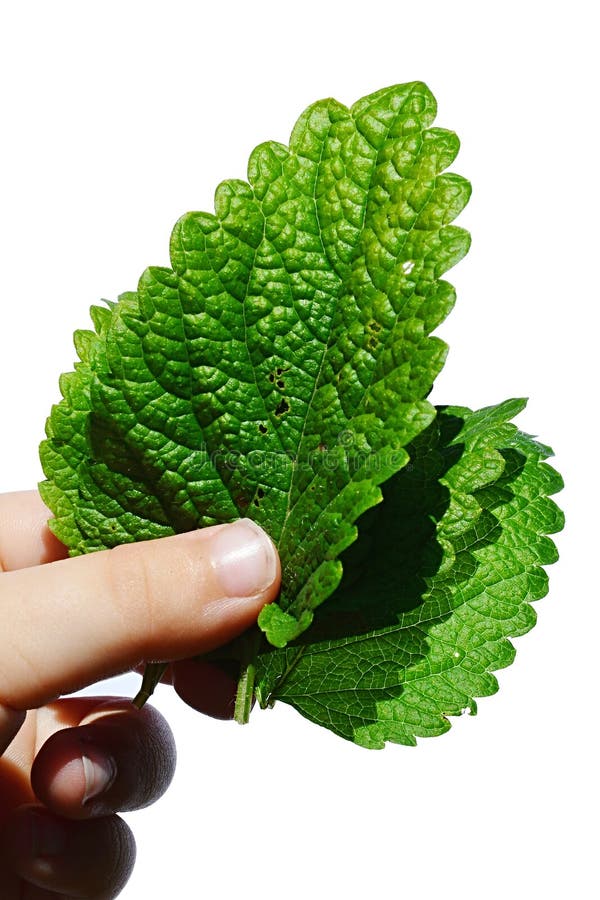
(442, 575)
(279, 368)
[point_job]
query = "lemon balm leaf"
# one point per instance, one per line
(442, 576)
(279, 367)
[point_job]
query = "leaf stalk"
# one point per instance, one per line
(250, 645)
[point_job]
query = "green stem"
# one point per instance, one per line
(250, 644)
(152, 675)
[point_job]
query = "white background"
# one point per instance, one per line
(119, 116)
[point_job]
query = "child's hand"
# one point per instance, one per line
(71, 764)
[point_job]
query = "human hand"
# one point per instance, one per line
(67, 766)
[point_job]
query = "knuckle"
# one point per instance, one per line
(133, 593)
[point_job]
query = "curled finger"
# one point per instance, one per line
(117, 759)
(92, 860)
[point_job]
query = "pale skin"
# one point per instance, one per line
(68, 766)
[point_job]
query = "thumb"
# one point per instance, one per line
(75, 621)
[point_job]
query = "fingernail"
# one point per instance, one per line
(245, 559)
(100, 772)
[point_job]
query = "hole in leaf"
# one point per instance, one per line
(280, 383)
(262, 428)
(282, 407)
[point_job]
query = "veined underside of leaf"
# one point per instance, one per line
(280, 367)
(441, 576)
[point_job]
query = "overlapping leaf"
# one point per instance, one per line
(442, 575)
(281, 366)
(280, 370)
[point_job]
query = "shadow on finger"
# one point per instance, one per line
(90, 860)
(117, 760)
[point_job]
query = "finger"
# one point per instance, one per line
(118, 759)
(25, 539)
(10, 722)
(206, 686)
(75, 621)
(29, 892)
(91, 860)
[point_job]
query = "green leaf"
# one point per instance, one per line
(442, 575)
(280, 367)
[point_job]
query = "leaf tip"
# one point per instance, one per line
(280, 627)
